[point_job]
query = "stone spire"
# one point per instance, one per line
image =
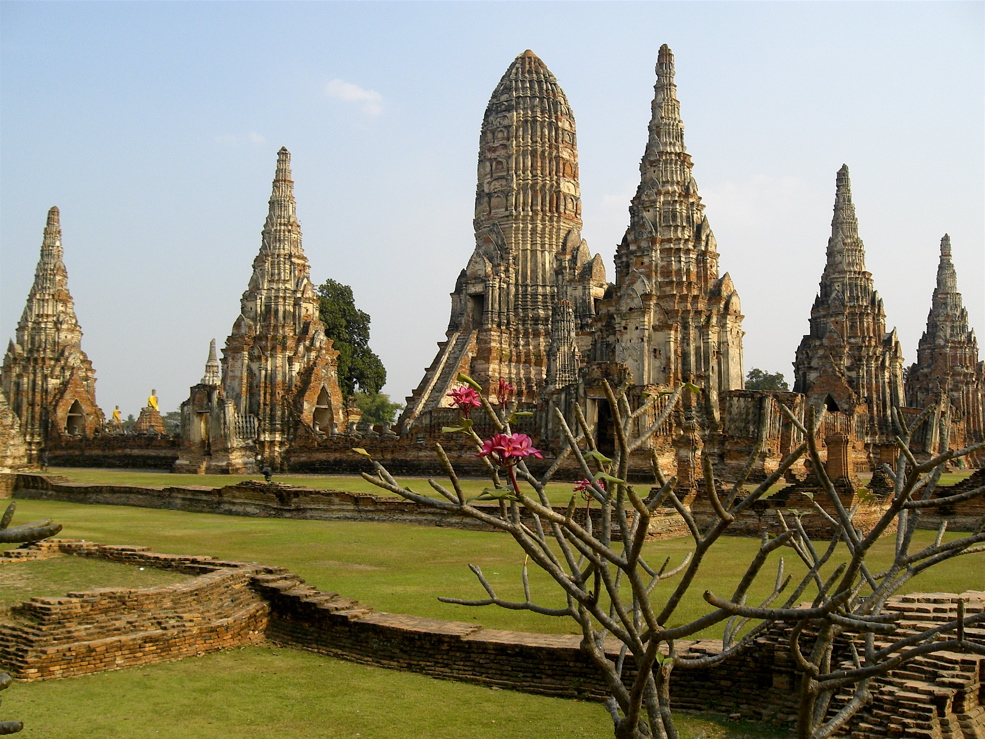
(277, 353)
(848, 361)
(673, 318)
(211, 376)
(50, 310)
(947, 363)
(528, 245)
(47, 378)
(845, 253)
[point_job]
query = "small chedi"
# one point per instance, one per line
(13, 448)
(848, 363)
(47, 378)
(279, 370)
(947, 371)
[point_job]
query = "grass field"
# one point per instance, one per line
(261, 691)
(22, 580)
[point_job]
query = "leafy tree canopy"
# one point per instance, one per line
(348, 328)
(377, 408)
(758, 379)
(172, 422)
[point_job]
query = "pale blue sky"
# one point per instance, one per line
(154, 127)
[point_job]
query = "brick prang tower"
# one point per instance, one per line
(947, 366)
(278, 366)
(528, 247)
(849, 362)
(48, 379)
(672, 318)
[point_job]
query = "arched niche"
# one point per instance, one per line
(75, 420)
(322, 418)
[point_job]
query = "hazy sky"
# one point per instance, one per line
(154, 127)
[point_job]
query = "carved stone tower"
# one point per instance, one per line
(672, 318)
(278, 366)
(47, 378)
(848, 362)
(947, 366)
(528, 246)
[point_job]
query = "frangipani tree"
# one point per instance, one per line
(600, 565)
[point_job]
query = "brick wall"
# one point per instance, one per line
(109, 629)
(253, 498)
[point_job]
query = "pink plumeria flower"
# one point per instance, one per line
(465, 398)
(505, 392)
(583, 486)
(507, 450)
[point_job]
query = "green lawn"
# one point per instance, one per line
(398, 568)
(403, 568)
(262, 691)
(270, 692)
(22, 580)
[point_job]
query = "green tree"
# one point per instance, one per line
(758, 379)
(348, 328)
(172, 422)
(377, 408)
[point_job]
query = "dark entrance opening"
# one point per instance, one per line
(477, 306)
(605, 433)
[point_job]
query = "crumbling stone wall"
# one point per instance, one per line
(131, 451)
(961, 516)
(109, 629)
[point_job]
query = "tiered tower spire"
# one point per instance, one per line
(848, 361)
(47, 378)
(212, 374)
(947, 366)
(528, 246)
(673, 319)
(277, 354)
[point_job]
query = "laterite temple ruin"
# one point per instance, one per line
(48, 380)
(533, 308)
(279, 370)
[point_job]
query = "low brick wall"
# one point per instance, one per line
(134, 451)
(546, 664)
(108, 629)
(274, 500)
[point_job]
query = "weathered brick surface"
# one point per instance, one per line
(107, 629)
(276, 501)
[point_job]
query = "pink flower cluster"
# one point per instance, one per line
(505, 392)
(583, 485)
(507, 450)
(465, 398)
